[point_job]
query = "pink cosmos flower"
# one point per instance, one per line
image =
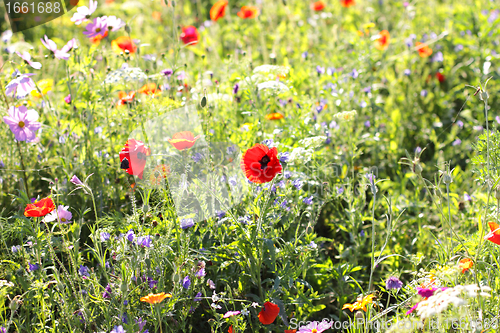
(231, 313)
(315, 327)
(23, 123)
(62, 215)
(98, 27)
(52, 46)
(75, 180)
(114, 23)
(83, 13)
(67, 99)
(412, 309)
(21, 86)
(69, 46)
(27, 57)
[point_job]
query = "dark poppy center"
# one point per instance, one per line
(264, 161)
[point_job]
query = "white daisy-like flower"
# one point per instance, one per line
(273, 85)
(346, 115)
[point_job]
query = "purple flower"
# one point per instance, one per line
(27, 57)
(144, 241)
(130, 235)
(15, 248)
(236, 88)
(407, 72)
(197, 298)
(438, 57)
(75, 180)
(418, 150)
(340, 190)
(467, 197)
(211, 284)
(83, 12)
(141, 323)
(186, 282)
(493, 16)
(21, 86)
(287, 174)
(305, 54)
(393, 283)
(367, 90)
(423, 93)
(107, 292)
(98, 27)
(67, 99)
(460, 124)
(201, 273)
(151, 282)
(197, 157)
(125, 318)
(105, 236)
(33, 267)
(315, 327)
(118, 329)
(167, 72)
(456, 142)
(354, 73)
(186, 223)
(367, 123)
(320, 70)
(284, 157)
(308, 201)
(23, 123)
(425, 292)
(297, 183)
(83, 271)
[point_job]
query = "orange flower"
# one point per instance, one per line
(230, 330)
(39, 208)
(124, 98)
(122, 44)
(494, 235)
(183, 140)
(248, 12)
(318, 6)
(382, 42)
(423, 50)
(157, 16)
(360, 303)
(465, 264)
(97, 39)
(155, 298)
(347, 3)
(218, 10)
(269, 313)
(290, 331)
(149, 89)
(274, 116)
(159, 173)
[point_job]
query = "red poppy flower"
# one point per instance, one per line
(124, 98)
(260, 164)
(190, 35)
(441, 78)
(465, 264)
(122, 44)
(423, 50)
(39, 208)
(97, 39)
(494, 235)
(133, 157)
(318, 6)
(382, 42)
(290, 331)
(269, 313)
(218, 10)
(150, 89)
(347, 3)
(230, 330)
(247, 12)
(183, 140)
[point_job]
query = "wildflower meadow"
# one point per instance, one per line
(249, 166)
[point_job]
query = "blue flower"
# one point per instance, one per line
(232, 181)
(367, 123)
(33, 267)
(308, 201)
(287, 174)
(197, 157)
(220, 213)
(354, 73)
(118, 329)
(130, 235)
(284, 157)
(340, 190)
(83, 271)
(231, 149)
(393, 283)
(320, 70)
(186, 282)
(16, 248)
(186, 223)
(297, 183)
(197, 298)
(407, 72)
(105, 236)
(236, 88)
(144, 241)
(268, 142)
(423, 93)
(201, 273)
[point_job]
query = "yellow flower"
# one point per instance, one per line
(44, 85)
(369, 25)
(360, 303)
(155, 298)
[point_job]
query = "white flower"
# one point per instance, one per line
(300, 154)
(215, 306)
(271, 69)
(255, 305)
(346, 115)
(83, 13)
(313, 142)
(245, 312)
(215, 298)
(126, 75)
(274, 85)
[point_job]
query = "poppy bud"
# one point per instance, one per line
(483, 95)
(497, 192)
(447, 179)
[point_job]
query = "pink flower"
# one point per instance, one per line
(83, 13)
(52, 46)
(315, 327)
(62, 215)
(67, 99)
(27, 57)
(20, 86)
(23, 123)
(231, 313)
(75, 180)
(114, 23)
(69, 46)
(98, 27)
(412, 309)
